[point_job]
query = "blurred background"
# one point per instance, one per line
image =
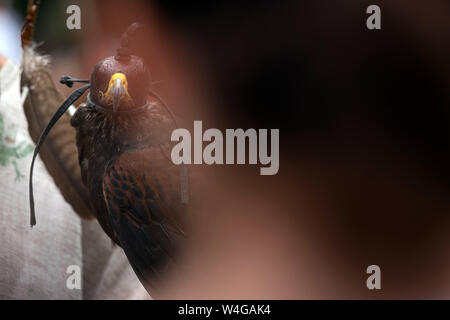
(364, 121)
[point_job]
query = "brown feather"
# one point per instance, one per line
(134, 186)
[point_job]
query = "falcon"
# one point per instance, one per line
(123, 137)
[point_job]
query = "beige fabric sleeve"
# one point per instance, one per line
(34, 262)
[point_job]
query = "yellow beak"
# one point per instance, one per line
(117, 90)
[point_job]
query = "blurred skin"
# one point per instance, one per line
(2, 60)
(363, 177)
(347, 196)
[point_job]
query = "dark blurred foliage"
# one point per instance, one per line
(49, 32)
(313, 69)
